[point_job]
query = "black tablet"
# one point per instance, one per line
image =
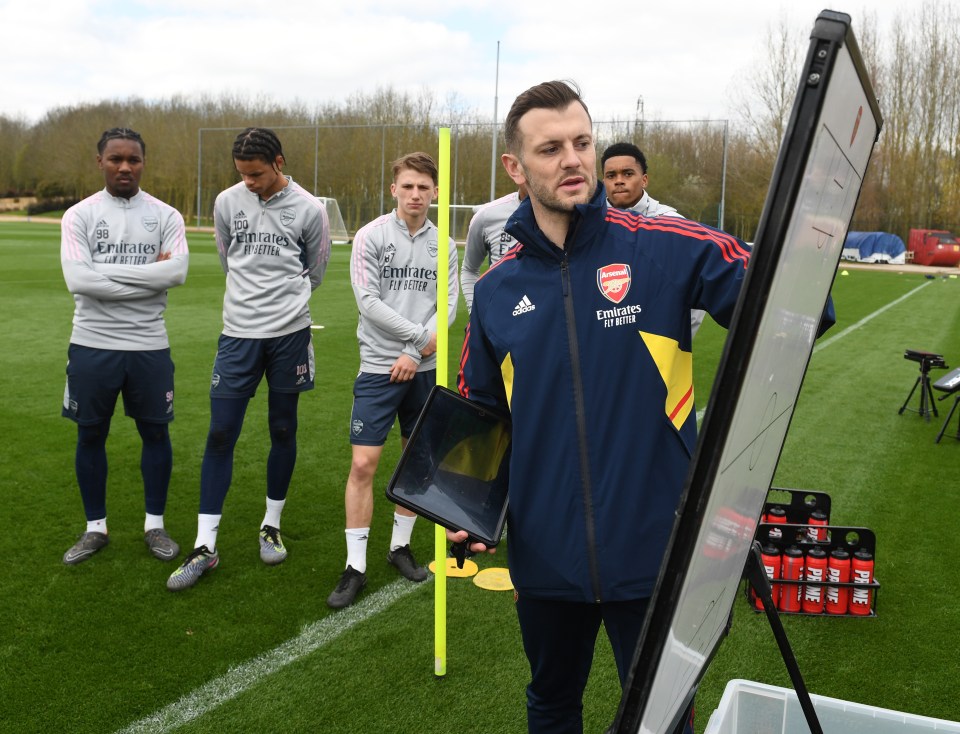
(455, 467)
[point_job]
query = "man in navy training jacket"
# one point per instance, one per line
(583, 331)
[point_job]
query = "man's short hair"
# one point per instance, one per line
(257, 144)
(419, 162)
(120, 133)
(618, 149)
(555, 95)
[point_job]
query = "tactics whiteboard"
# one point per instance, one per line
(833, 127)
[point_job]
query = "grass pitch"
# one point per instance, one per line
(101, 646)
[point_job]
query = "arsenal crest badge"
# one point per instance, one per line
(614, 281)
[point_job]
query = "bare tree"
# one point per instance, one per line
(14, 134)
(768, 97)
(920, 99)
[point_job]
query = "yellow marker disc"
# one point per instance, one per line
(469, 568)
(494, 579)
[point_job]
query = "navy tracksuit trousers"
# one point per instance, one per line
(559, 639)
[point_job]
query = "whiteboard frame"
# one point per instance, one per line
(834, 125)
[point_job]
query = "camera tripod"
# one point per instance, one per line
(927, 360)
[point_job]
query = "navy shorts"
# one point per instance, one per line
(241, 363)
(95, 377)
(377, 401)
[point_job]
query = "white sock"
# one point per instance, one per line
(402, 530)
(207, 527)
(97, 526)
(357, 548)
(272, 516)
(153, 522)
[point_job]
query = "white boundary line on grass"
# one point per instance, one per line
(246, 675)
(849, 330)
(827, 342)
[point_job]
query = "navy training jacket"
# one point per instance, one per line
(590, 348)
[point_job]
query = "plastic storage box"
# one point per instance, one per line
(756, 708)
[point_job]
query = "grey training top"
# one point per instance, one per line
(274, 253)
(108, 252)
(486, 238)
(394, 277)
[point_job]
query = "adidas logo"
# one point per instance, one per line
(524, 306)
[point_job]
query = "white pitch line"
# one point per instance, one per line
(849, 330)
(827, 342)
(246, 675)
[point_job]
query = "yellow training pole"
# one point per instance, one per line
(443, 274)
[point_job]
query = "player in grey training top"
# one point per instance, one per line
(121, 250)
(394, 272)
(274, 253)
(486, 239)
(625, 180)
(274, 242)
(394, 276)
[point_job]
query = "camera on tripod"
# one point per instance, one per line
(926, 359)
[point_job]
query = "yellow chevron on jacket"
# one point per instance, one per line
(676, 370)
(506, 369)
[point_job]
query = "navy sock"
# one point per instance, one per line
(156, 463)
(282, 417)
(91, 467)
(216, 471)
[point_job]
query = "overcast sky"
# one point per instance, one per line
(683, 58)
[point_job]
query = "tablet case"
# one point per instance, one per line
(454, 470)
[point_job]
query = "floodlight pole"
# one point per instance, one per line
(638, 117)
(383, 162)
(453, 184)
(723, 174)
(316, 157)
(199, 169)
(493, 152)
